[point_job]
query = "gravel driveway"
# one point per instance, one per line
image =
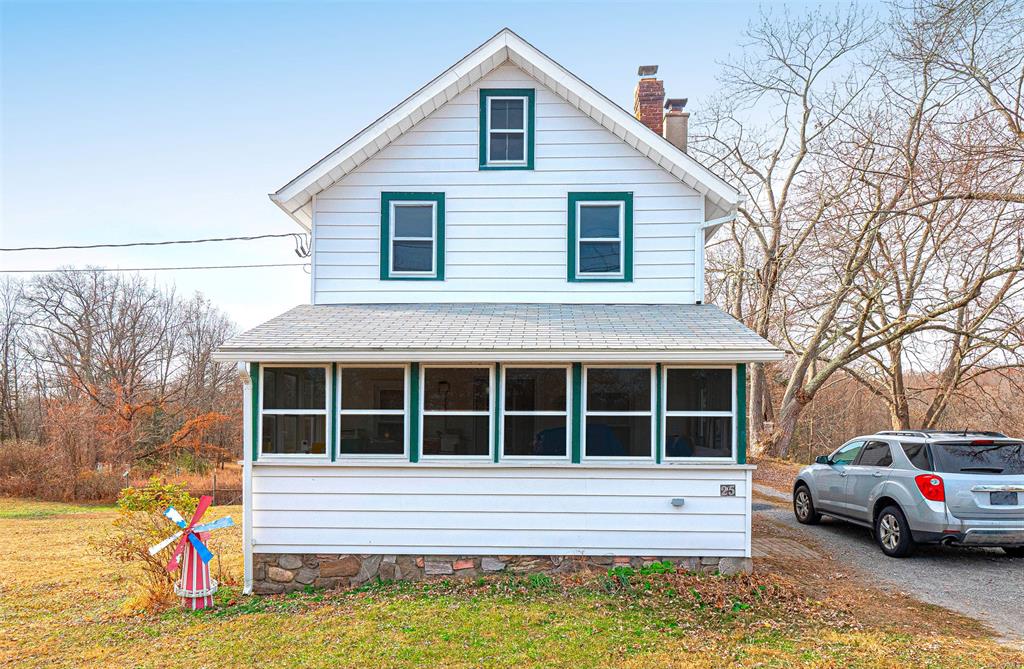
(983, 583)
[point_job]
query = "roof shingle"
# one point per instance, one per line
(484, 327)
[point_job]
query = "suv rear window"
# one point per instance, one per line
(918, 455)
(968, 458)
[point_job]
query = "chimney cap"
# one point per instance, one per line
(675, 104)
(647, 70)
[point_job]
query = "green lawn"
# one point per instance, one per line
(62, 604)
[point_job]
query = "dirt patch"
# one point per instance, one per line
(776, 474)
(847, 590)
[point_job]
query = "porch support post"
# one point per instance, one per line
(577, 411)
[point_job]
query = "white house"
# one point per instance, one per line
(506, 362)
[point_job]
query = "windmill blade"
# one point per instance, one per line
(153, 550)
(214, 525)
(204, 503)
(172, 514)
(204, 552)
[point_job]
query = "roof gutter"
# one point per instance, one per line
(710, 227)
(309, 355)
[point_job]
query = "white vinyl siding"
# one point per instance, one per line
(500, 510)
(505, 233)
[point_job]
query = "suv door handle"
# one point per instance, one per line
(842, 473)
(877, 474)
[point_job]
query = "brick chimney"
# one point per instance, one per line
(649, 99)
(677, 122)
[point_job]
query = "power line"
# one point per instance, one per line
(297, 236)
(146, 269)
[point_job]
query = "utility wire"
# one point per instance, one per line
(300, 239)
(146, 269)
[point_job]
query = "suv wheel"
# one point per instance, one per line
(1014, 551)
(803, 506)
(893, 533)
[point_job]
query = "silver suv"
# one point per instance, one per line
(921, 486)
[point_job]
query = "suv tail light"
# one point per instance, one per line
(931, 487)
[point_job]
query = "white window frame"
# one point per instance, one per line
(392, 238)
(666, 414)
(404, 412)
(526, 129)
(621, 239)
(567, 413)
(492, 404)
(586, 413)
(326, 412)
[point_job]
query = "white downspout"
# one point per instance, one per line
(247, 442)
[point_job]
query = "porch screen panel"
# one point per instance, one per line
(294, 411)
(372, 418)
(619, 413)
(699, 413)
(536, 412)
(456, 411)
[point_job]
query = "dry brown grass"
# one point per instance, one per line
(61, 605)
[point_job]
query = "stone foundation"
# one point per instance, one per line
(286, 572)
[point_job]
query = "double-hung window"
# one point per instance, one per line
(457, 411)
(412, 236)
(536, 412)
(506, 128)
(618, 412)
(293, 410)
(700, 412)
(371, 410)
(600, 237)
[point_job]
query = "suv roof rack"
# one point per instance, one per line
(930, 433)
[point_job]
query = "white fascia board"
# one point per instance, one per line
(718, 356)
(616, 116)
(384, 130)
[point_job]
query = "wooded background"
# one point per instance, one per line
(881, 155)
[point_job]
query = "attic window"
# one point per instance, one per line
(506, 128)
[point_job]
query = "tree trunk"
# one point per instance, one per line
(789, 414)
(899, 406)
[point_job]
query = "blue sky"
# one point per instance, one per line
(139, 121)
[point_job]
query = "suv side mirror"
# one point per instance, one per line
(822, 460)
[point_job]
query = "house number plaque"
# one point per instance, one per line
(727, 490)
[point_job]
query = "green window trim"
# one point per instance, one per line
(498, 413)
(415, 414)
(741, 414)
(530, 95)
(386, 200)
(577, 412)
(254, 377)
(332, 439)
(659, 414)
(626, 198)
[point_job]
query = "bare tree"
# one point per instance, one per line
(842, 190)
(12, 358)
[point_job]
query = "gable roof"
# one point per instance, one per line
(295, 197)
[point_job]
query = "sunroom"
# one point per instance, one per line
(454, 432)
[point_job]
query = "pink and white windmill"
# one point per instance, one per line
(195, 587)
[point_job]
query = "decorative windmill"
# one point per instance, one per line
(195, 587)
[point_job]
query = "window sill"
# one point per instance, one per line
(482, 464)
(412, 278)
(505, 167)
(595, 279)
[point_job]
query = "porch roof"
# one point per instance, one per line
(500, 332)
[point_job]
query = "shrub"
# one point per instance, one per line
(140, 524)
